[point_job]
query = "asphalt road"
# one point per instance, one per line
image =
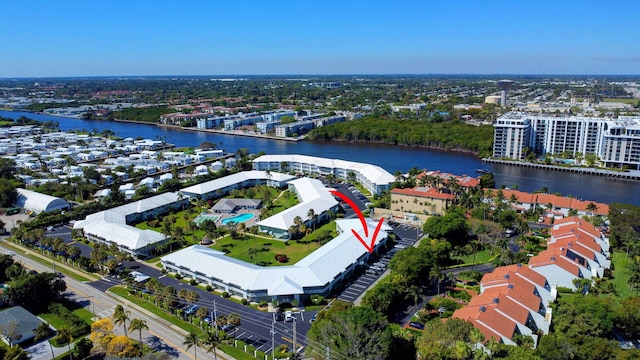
(256, 326)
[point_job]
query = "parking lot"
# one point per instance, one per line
(377, 268)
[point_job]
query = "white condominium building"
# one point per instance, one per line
(511, 136)
(372, 177)
(616, 142)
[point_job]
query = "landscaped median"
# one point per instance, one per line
(63, 268)
(231, 347)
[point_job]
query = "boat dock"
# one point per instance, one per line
(616, 175)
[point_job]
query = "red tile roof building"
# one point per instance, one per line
(520, 295)
(559, 204)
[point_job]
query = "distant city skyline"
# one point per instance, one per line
(125, 38)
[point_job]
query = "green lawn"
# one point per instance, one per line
(626, 101)
(268, 248)
(53, 320)
(481, 257)
(84, 314)
(287, 200)
(124, 293)
(621, 275)
(45, 261)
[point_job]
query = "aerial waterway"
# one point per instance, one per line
(391, 158)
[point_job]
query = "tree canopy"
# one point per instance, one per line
(355, 333)
(451, 227)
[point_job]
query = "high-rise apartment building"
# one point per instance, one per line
(511, 136)
(616, 142)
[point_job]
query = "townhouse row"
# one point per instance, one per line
(515, 299)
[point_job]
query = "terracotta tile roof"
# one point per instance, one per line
(564, 225)
(472, 315)
(517, 289)
(425, 192)
(464, 180)
(557, 201)
(496, 322)
(572, 244)
(555, 257)
(519, 270)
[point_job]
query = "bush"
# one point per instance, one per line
(317, 299)
(244, 301)
(462, 295)
(77, 326)
(178, 276)
(225, 294)
(208, 288)
(193, 282)
(470, 275)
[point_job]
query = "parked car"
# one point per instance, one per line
(288, 316)
(227, 327)
(313, 318)
(191, 310)
(278, 316)
(416, 325)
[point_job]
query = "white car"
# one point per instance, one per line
(288, 316)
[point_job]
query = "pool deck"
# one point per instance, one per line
(223, 216)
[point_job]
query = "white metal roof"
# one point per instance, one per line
(39, 202)
(315, 270)
(313, 195)
(111, 224)
(221, 183)
(374, 173)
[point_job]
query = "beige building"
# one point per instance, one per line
(420, 200)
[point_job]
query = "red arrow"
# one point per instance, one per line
(368, 246)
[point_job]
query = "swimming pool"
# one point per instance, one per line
(238, 218)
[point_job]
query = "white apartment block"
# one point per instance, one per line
(616, 142)
(511, 136)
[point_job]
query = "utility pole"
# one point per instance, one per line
(214, 316)
(273, 344)
(295, 347)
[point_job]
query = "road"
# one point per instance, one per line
(161, 336)
(256, 326)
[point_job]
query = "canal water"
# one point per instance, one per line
(391, 158)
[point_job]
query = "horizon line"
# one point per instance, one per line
(225, 76)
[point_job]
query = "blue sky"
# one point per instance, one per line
(127, 38)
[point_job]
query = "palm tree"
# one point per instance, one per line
(212, 340)
(192, 340)
(252, 252)
(42, 332)
(138, 324)
(120, 317)
(191, 297)
(311, 214)
(592, 207)
(65, 333)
